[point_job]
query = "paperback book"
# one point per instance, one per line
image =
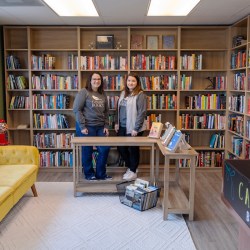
(155, 130)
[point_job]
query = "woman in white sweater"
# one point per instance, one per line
(130, 121)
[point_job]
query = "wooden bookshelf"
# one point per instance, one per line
(66, 50)
(238, 137)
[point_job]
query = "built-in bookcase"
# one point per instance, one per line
(185, 72)
(238, 138)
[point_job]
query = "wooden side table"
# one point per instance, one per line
(177, 203)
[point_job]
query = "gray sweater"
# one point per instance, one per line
(136, 110)
(91, 109)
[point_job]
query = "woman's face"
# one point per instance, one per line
(95, 82)
(131, 83)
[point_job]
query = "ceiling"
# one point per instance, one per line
(122, 12)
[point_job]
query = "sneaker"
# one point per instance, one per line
(106, 178)
(91, 178)
(130, 176)
(126, 173)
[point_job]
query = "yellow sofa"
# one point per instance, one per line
(18, 172)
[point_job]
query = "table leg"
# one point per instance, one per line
(177, 171)
(152, 157)
(191, 188)
(166, 188)
(74, 169)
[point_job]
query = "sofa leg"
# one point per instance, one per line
(33, 188)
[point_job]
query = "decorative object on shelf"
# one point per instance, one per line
(212, 85)
(3, 133)
(137, 41)
(168, 42)
(118, 45)
(105, 41)
(92, 45)
(152, 42)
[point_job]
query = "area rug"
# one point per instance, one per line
(58, 220)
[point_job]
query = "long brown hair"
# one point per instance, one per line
(89, 86)
(137, 89)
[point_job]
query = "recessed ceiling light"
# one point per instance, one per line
(72, 7)
(171, 7)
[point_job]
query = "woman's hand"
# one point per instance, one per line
(106, 131)
(85, 131)
(116, 128)
(134, 133)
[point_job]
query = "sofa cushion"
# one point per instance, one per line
(14, 175)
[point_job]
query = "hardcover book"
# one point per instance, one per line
(155, 130)
(174, 142)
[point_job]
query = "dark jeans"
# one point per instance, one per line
(87, 152)
(130, 154)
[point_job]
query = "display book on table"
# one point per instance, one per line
(138, 194)
(173, 139)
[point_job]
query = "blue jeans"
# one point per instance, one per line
(87, 152)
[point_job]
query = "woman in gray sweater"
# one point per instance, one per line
(130, 121)
(91, 112)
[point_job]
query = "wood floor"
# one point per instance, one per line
(213, 227)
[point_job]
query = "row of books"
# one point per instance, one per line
(162, 101)
(238, 59)
(191, 62)
(217, 140)
(19, 102)
(114, 82)
(50, 121)
(72, 62)
(161, 82)
(239, 81)
(237, 145)
(210, 159)
(56, 159)
(206, 101)
(112, 101)
(140, 195)
(236, 123)
(236, 103)
(13, 62)
(16, 82)
(44, 61)
(53, 81)
(53, 140)
(203, 121)
(247, 129)
(107, 62)
(45, 101)
(153, 62)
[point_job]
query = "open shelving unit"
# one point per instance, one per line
(55, 62)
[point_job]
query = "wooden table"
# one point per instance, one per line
(183, 205)
(82, 185)
(178, 203)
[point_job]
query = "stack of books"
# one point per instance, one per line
(138, 194)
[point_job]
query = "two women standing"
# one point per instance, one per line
(91, 111)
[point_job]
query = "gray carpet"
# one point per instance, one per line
(58, 220)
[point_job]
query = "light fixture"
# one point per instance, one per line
(171, 8)
(72, 7)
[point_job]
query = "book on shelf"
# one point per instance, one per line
(155, 130)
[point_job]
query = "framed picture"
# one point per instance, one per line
(136, 41)
(152, 42)
(168, 42)
(104, 41)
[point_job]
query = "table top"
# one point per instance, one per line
(115, 140)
